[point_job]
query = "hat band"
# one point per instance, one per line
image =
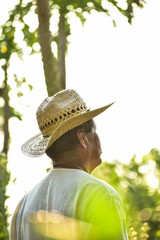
(53, 122)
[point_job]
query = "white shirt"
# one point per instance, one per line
(74, 194)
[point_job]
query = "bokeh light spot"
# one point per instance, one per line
(145, 214)
(4, 49)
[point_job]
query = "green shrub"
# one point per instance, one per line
(4, 180)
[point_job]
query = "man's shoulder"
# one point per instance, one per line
(92, 185)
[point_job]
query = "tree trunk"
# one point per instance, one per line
(4, 174)
(45, 39)
(62, 49)
(6, 113)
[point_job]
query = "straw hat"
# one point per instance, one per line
(55, 116)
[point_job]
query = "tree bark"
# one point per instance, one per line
(62, 49)
(6, 113)
(45, 39)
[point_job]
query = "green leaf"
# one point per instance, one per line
(14, 113)
(30, 87)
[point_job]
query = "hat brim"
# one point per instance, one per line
(37, 145)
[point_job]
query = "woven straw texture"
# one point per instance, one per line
(55, 116)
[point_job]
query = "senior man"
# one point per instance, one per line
(68, 203)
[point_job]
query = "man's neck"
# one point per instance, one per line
(72, 160)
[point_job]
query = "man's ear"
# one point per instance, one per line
(83, 139)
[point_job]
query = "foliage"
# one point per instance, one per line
(85, 6)
(8, 46)
(80, 8)
(139, 187)
(23, 9)
(4, 180)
